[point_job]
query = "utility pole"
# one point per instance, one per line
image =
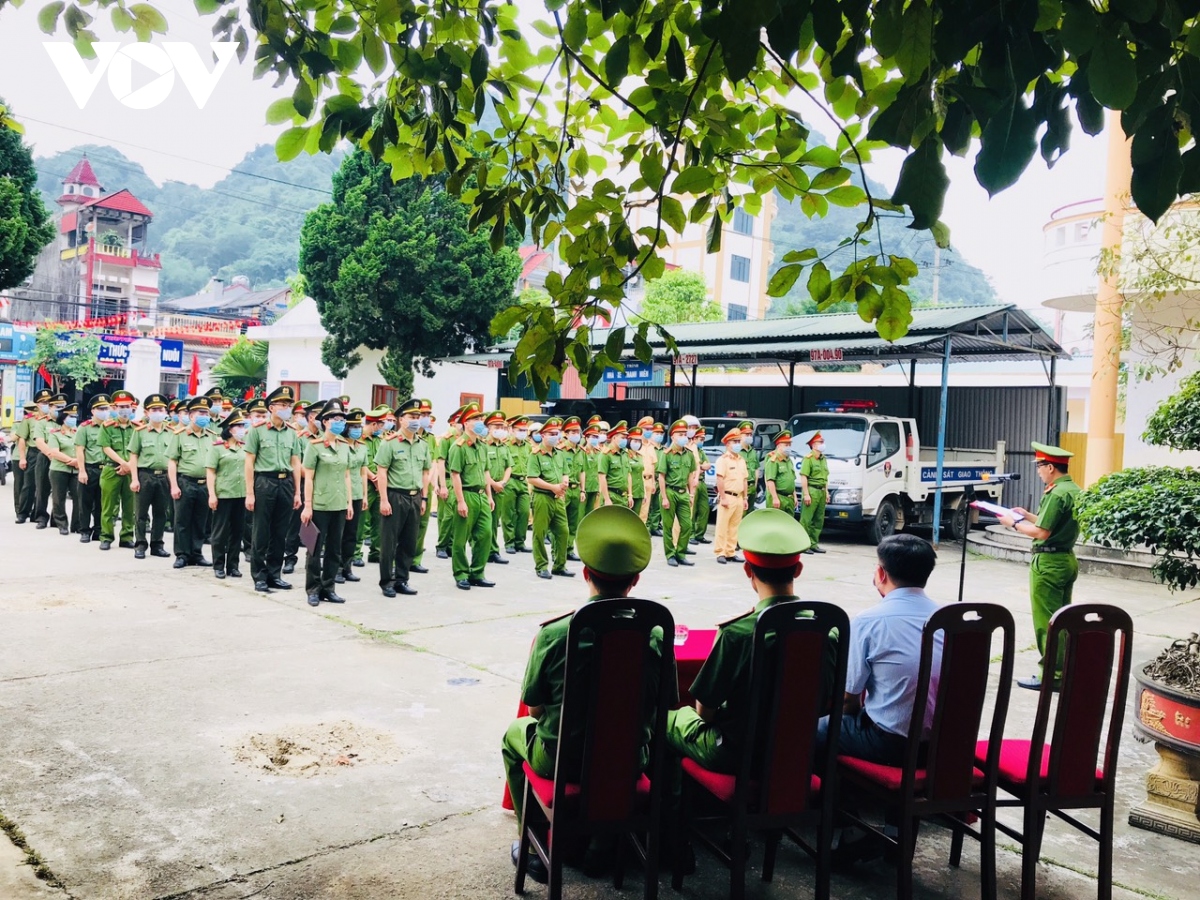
(937, 271)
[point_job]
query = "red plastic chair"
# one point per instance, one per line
(1064, 775)
(609, 671)
(777, 787)
(940, 779)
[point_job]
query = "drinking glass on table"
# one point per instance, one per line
(681, 635)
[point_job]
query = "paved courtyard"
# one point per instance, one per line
(167, 735)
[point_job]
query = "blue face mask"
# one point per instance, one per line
(389, 425)
(156, 416)
(426, 422)
(537, 438)
(238, 431)
(101, 415)
(680, 440)
(124, 412)
(337, 426)
(479, 429)
(657, 438)
(355, 432)
(72, 421)
(411, 424)
(622, 443)
(574, 438)
(593, 441)
(551, 440)
(202, 421)
(44, 408)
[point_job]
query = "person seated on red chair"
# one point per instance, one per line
(614, 545)
(885, 656)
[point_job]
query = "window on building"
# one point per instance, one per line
(743, 222)
(739, 268)
(382, 395)
(1060, 236)
(736, 312)
(1082, 230)
(308, 391)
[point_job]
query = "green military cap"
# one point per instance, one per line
(199, 403)
(572, 422)
(496, 417)
(258, 404)
(1051, 454)
(71, 409)
(469, 412)
(59, 398)
(332, 407)
(592, 420)
(355, 416)
(772, 538)
(426, 405)
(281, 394)
(345, 400)
(154, 401)
(746, 425)
(43, 396)
(621, 427)
(518, 421)
(99, 400)
(554, 423)
(29, 407)
(214, 393)
(679, 425)
(301, 407)
(236, 417)
(124, 396)
(613, 541)
(783, 436)
(379, 413)
(410, 405)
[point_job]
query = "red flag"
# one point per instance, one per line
(194, 378)
(46, 376)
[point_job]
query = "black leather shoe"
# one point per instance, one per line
(314, 599)
(534, 868)
(160, 552)
(736, 558)
(358, 561)
(571, 556)
(420, 570)
(498, 559)
(544, 573)
(349, 576)
(689, 552)
(262, 587)
(339, 578)
(463, 585)
(480, 582)
(201, 561)
(85, 539)
(289, 566)
(234, 573)
(279, 584)
(657, 532)
(673, 562)
(139, 553)
(64, 531)
(218, 573)
(703, 540)
(42, 525)
(693, 542)
(684, 561)
(442, 554)
(564, 573)
(521, 548)
(180, 562)
(818, 549)
(404, 589)
(389, 589)
(332, 597)
(106, 545)
(722, 560)
(125, 545)
(510, 550)
(21, 520)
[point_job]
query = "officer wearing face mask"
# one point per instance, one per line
(498, 472)
(677, 474)
(445, 516)
(187, 471)
(148, 460)
(272, 487)
(589, 484)
(91, 458)
(431, 441)
(360, 475)
(814, 478)
(402, 472)
(60, 445)
(467, 464)
(309, 429)
(516, 509)
(39, 463)
(116, 494)
(226, 482)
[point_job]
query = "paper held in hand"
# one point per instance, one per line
(997, 510)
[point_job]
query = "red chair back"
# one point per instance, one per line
(959, 696)
(616, 693)
(791, 686)
(1098, 638)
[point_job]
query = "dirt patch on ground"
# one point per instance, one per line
(306, 751)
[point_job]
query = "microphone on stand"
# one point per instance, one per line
(1001, 476)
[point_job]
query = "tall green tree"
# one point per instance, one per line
(393, 266)
(242, 366)
(679, 296)
(698, 102)
(67, 355)
(25, 226)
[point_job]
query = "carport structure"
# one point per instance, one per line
(940, 334)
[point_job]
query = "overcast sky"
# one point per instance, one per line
(175, 140)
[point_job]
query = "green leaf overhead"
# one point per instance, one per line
(922, 184)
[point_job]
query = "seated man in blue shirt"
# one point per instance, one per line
(885, 657)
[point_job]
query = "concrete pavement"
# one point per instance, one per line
(130, 693)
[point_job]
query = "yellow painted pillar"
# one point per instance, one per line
(1106, 352)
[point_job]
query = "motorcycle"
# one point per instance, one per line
(4, 463)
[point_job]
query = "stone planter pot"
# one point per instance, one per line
(1171, 719)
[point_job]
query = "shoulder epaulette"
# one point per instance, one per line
(55, 430)
(735, 618)
(218, 443)
(565, 615)
(461, 442)
(140, 426)
(316, 440)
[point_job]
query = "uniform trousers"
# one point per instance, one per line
(728, 519)
(369, 525)
(701, 509)
(475, 528)
(62, 489)
(575, 514)
(191, 512)
(89, 502)
(18, 475)
(654, 515)
(350, 541)
(522, 745)
(679, 511)
(500, 497)
(812, 515)
(1051, 583)
(291, 544)
(41, 497)
(646, 504)
(153, 499)
(116, 496)
(423, 527)
(228, 528)
(398, 538)
(29, 482)
(446, 517)
(325, 559)
(549, 518)
(273, 498)
(515, 512)
(787, 502)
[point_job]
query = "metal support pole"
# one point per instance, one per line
(693, 403)
(1052, 428)
(791, 388)
(941, 445)
(672, 394)
(912, 388)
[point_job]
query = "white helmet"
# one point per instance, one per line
(691, 420)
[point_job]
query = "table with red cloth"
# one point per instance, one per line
(689, 657)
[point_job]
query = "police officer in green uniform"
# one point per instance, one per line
(637, 484)
(615, 548)
(90, 458)
(360, 476)
(589, 476)
(779, 473)
(612, 468)
(571, 444)
(466, 462)
(701, 507)
(35, 494)
(499, 471)
(307, 426)
(272, 487)
(515, 508)
(60, 449)
(402, 470)
(446, 508)
(225, 470)
(549, 480)
(814, 478)
(1054, 531)
(327, 503)
(368, 528)
(41, 503)
(658, 436)
(116, 493)
(431, 441)
(677, 474)
(148, 459)
(753, 459)
(20, 433)
(187, 471)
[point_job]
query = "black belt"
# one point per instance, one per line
(151, 471)
(273, 474)
(732, 493)
(195, 479)
(546, 493)
(406, 492)
(472, 490)
(520, 478)
(1053, 549)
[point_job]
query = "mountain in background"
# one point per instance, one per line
(248, 223)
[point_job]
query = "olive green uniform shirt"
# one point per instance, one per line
(779, 469)
(548, 465)
(328, 465)
(228, 462)
(272, 448)
(405, 462)
(39, 427)
(116, 437)
(816, 469)
(498, 459)
(677, 465)
(1056, 514)
(358, 461)
(190, 452)
(519, 452)
(753, 461)
(614, 465)
(87, 436)
(151, 444)
(589, 467)
(468, 461)
(62, 439)
(21, 430)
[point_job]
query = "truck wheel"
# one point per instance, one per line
(959, 523)
(884, 523)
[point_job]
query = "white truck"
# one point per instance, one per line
(882, 477)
